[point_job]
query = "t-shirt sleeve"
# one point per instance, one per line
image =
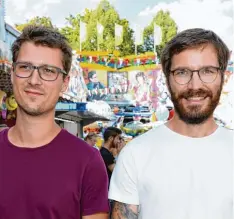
(123, 185)
(108, 158)
(94, 195)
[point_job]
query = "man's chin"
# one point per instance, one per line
(194, 114)
(31, 111)
(194, 120)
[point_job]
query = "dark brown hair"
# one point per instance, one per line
(111, 132)
(140, 74)
(193, 38)
(44, 36)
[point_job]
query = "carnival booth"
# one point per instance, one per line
(133, 86)
(73, 112)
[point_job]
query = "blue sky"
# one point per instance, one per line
(216, 15)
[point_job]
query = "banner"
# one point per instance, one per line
(139, 39)
(100, 30)
(157, 35)
(83, 31)
(118, 34)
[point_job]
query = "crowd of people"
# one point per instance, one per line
(182, 169)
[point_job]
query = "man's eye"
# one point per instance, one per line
(181, 73)
(208, 71)
(24, 67)
(49, 70)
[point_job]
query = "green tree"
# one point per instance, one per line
(72, 30)
(106, 15)
(45, 21)
(168, 27)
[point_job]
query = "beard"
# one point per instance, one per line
(31, 111)
(194, 115)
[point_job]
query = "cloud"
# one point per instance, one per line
(216, 15)
(19, 11)
(19, 5)
(51, 1)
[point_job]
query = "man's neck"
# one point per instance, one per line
(107, 146)
(33, 131)
(194, 131)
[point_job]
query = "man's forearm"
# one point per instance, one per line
(124, 211)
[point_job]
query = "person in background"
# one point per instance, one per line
(45, 171)
(182, 169)
(95, 84)
(91, 139)
(109, 150)
(142, 89)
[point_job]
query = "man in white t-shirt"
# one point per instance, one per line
(184, 168)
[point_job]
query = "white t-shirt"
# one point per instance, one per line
(171, 176)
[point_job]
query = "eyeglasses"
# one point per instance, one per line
(46, 72)
(206, 74)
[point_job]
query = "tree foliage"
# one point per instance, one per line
(72, 30)
(168, 27)
(106, 15)
(45, 21)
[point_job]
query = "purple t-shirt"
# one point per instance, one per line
(62, 180)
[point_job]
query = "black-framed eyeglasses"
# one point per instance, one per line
(46, 72)
(206, 74)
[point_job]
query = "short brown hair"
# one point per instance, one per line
(111, 132)
(193, 38)
(44, 36)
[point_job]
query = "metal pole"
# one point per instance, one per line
(135, 49)
(80, 36)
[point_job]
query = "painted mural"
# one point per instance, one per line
(132, 87)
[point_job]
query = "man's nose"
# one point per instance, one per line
(35, 79)
(195, 82)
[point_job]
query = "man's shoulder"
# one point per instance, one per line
(75, 145)
(105, 152)
(147, 141)
(149, 138)
(89, 85)
(226, 132)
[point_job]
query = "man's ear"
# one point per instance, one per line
(66, 81)
(111, 138)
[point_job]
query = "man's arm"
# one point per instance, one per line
(124, 211)
(94, 192)
(97, 216)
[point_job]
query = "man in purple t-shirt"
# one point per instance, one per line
(45, 172)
